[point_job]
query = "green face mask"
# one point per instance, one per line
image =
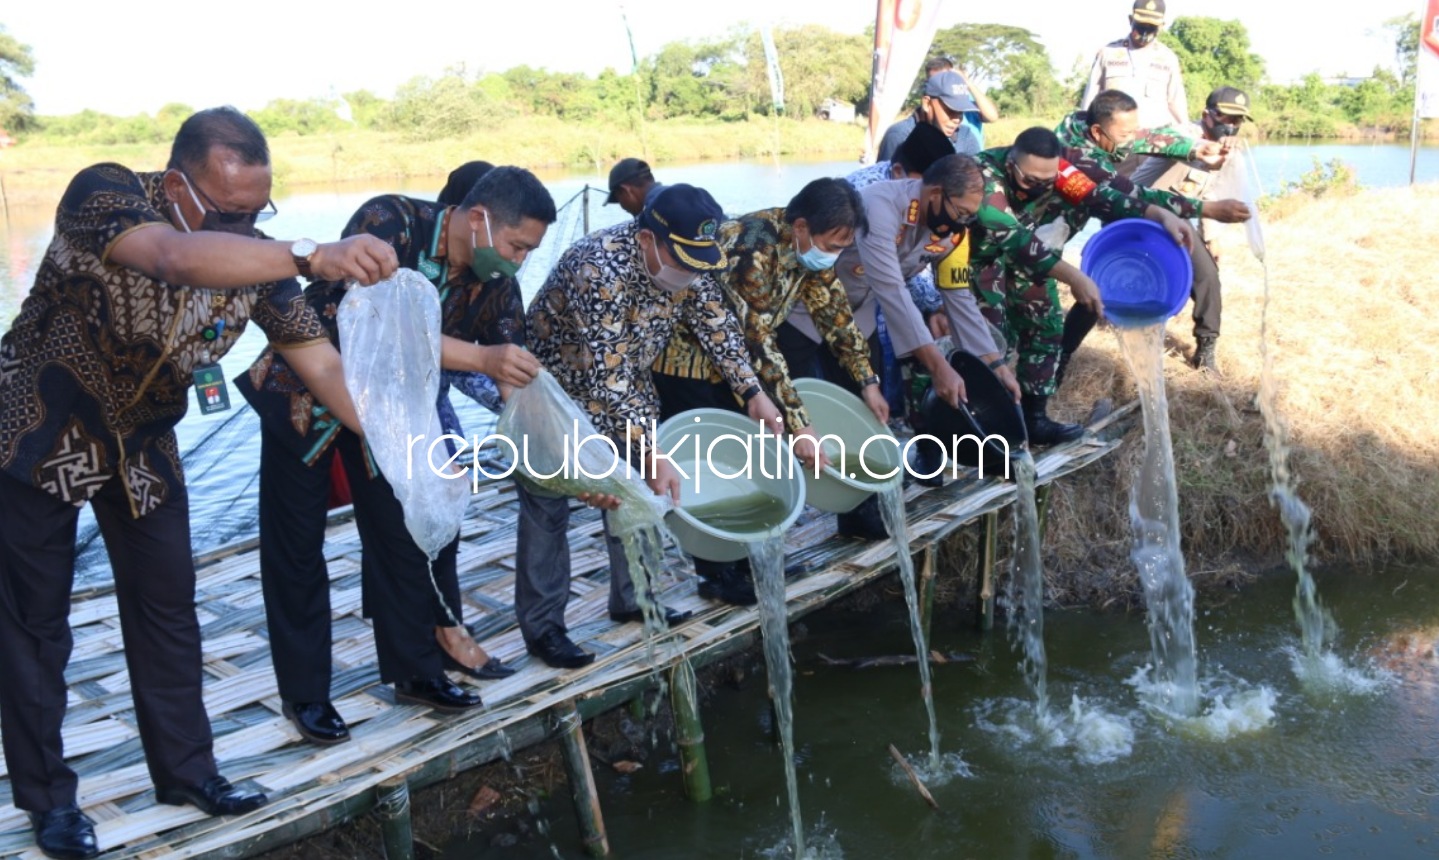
(487, 264)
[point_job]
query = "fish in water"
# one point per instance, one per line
(893, 660)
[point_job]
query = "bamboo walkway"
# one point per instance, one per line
(312, 788)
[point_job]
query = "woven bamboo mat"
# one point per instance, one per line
(258, 747)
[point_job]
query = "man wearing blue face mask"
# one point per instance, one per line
(149, 280)
(606, 311)
(1140, 65)
(778, 258)
(470, 253)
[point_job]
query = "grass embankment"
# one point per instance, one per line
(1354, 332)
(36, 174)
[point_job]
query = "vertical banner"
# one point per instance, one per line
(903, 31)
(1427, 77)
(771, 62)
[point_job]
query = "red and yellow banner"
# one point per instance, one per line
(903, 31)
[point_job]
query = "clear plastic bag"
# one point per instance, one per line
(1239, 180)
(547, 428)
(390, 341)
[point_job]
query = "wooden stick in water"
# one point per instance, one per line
(914, 778)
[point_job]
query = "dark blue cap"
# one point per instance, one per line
(687, 220)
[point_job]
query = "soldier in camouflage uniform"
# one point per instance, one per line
(1106, 135)
(1034, 199)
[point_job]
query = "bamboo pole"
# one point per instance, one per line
(926, 593)
(1041, 498)
(989, 552)
(694, 763)
(582, 780)
(392, 808)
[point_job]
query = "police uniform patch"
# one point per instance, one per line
(913, 215)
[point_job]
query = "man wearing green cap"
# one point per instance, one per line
(1140, 65)
(606, 311)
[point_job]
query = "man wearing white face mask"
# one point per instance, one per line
(140, 295)
(603, 315)
(778, 258)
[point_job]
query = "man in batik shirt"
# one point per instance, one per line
(601, 319)
(148, 282)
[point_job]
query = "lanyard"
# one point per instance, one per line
(431, 267)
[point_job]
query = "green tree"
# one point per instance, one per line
(1012, 59)
(17, 109)
(307, 116)
(817, 64)
(1212, 53)
(1405, 31)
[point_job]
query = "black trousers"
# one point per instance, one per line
(1208, 303)
(808, 359)
(155, 595)
(395, 573)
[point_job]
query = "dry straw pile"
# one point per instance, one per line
(1354, 334)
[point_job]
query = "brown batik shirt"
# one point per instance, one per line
(95, 371)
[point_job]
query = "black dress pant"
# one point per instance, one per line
(155, 595)
(808, 359)
(395, 574)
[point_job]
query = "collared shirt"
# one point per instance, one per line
(873, 271)
(484, 312)
(95, 371)
(1150, 74)
(1099, 164)
(967, 139)
(921, 283)
(764, 281)
(600, 321)
(1007, 220)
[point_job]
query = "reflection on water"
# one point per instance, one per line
(1349, 772)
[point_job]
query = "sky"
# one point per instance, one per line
(136, 57)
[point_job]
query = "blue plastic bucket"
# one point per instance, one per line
(1143, 276)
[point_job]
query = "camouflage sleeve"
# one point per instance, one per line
(1003, 237)
(1184, 207)
(1167, 141)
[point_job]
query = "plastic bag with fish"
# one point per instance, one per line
(390, 340)
(1239, 180)
(562, 454)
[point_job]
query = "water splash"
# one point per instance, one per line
(767, 562)
(891, 506)
(1316, 625)
(1024, 590)
(1093, 734)
(950, 767)
(1225, 707)
(1154, 514)
(1328, 674)
(821, 843)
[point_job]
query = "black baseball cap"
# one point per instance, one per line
(1149, 12)
(1230, 101)
(687, 220)
(625, 172)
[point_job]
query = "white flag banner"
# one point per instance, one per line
(903, 31)
(1427, 84)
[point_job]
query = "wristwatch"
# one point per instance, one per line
(872, 379)
(301, 252)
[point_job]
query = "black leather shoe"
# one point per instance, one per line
(215, 796)
(864, 522)
(671, 617)
(493, 670)
(556, 649)
(317, 722)
(729, 585)
(65, 832)
(438, 693)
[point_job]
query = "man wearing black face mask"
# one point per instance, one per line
(1140, 65)
(149, 280)
(1224, 111)
(470, 254)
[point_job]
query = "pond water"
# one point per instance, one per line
(220, 457)
(1280, 769)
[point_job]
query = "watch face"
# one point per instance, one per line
(303, 248)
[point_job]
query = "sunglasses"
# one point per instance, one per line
(232, 219)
